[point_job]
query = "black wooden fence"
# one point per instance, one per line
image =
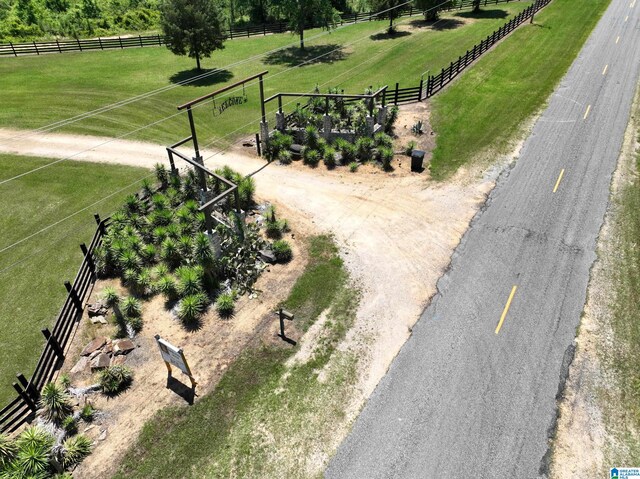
(23, 407)
(63, 46)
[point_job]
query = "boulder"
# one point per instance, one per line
(267, 256)
(93, 346)
(118, 360)
(101, 361)
(81, 366)
(96, 309)
(97, 319)
(123, 346)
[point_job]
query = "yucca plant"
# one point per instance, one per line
(175, 181)
(329, 158)
(115, 379)
(382, 140)
(189, 280)
(32, 461)
(162, 175)
(310, 156)
(74, 450)
(185, 246)
(364, 149)
(169, 252)
(118, 221)
(129, 259)
(160, 234)
(191, 308)
(131, 307)
(8, 451)
(55, 403)
(133, 205)
(173, 231)
(174, 197)
(147, 188)
(246, 191)
(160, 217)
(112, 299)
(166, 286)
(225, 305)
(87, 412)
(135, 323)
(386, 157)
(148, 253)
(311, 137)
(282, 251)
(159, 202)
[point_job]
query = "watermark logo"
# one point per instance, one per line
(624, 473)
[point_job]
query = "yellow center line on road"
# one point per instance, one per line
(506, 309)
(617, 40)
(586, 113)
(555, 188)
(604, 72)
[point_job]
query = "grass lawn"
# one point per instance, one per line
(489, 105)
(225, 433)
(39, 90)
(32, 273)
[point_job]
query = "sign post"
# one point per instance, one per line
(172, 355)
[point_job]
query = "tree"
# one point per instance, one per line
(431, 8)
(391, 9)
(303, 13)
(192, 27)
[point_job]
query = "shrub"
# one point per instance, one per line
(162, 175)
(246, 190)
(392, 117)
(189, 280)
(55, 403)
(382, 140)
(311, 137)
(347, 150)
(147, 188)
(131, 307)
(284, 157)
(386, 157)
(115, 379)
(110, 296)
(135, 323)
(185, 246)
(310, 157)
(225, 305)
(65, 380)
(8, 451)
(191, 307)
(166, 286)
(329, 158)
(273, 229)
(148, 253)
(75, 449)
(34, 449)
(87, 412)
(282, 251)
(353, 166)
(364, 149)
(409, 148)
(70, 425)
(169, 252)
(278, 143)
(129, 259)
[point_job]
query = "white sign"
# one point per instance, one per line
(173, 356)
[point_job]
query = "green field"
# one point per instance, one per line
(32, 273)
(488, 107)
(39, 90)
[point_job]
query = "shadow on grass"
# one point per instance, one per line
(211, 77)
(437, 25)
(389, 36)
(495, 13)
(294, 56)
(187, 393)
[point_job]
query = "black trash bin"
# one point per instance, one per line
(417, 158)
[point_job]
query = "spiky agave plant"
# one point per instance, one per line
(55, 403)
(166, 286)
(189, 280)
(162, 175)
(131, 307)
(225, 305)
(74, 450)
(185, 246)
(34, 450)
(112, 299)
(191, 308)
(169, 252)
(114, 379)
(8, 451)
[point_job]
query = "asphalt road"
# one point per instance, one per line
(470, 395)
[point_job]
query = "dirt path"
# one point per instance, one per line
(396, 231)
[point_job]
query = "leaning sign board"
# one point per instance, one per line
(174, 356)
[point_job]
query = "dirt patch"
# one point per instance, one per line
(209, 351)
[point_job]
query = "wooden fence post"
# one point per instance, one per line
(25, 397)
(74, 295)
(79, 45)
(140, 38)
(442, 78)
(356, 18)
(395, 100)
(100, 42)
(28, 387)
(419, 91)
(36, 47)
(13, 48)
(58, 43)
(120, 40)
(53, 342)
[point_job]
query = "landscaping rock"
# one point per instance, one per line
(108, 348)
(118, 360)
(267, 256)
(103, 435)
(93, 346)
(296, 151)
(123, 346)
(81, 366)
(98, 319)
(96, 309)
(101, 361)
